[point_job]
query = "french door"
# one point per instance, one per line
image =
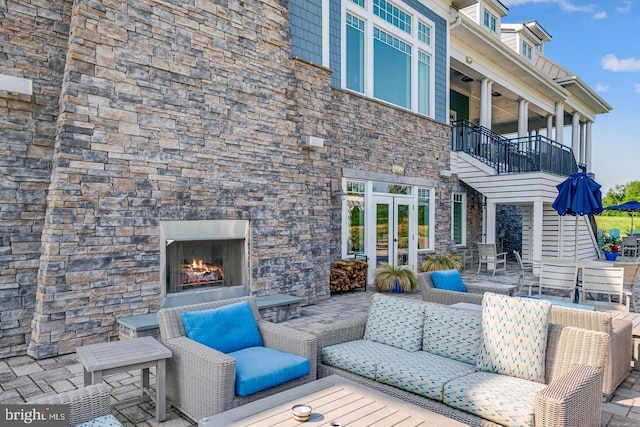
(394, 241)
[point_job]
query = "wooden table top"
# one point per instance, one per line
(335, 401)
(98, 357)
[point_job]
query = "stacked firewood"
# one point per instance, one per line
(348, 275)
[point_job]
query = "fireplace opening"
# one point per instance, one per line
(203, 260)
(201, 264)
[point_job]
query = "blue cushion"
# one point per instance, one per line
(260, 368)
(104, 421)
(448, 280)
(228, 328)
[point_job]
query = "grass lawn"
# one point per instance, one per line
(622, 223)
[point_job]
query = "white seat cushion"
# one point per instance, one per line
(104, 421)
(505, 400)
(360, 357)
(422, 373)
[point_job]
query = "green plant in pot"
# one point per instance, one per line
(447, 261)
(390, 278)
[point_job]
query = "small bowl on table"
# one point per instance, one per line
(301, 412)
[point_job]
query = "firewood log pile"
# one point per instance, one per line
(348, 275)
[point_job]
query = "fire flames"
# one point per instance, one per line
(200, 272)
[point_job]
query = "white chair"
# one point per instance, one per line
(631, 270)
(630, 245)
(560, 277)
(489, 256)
(608, 281)
(524, 266)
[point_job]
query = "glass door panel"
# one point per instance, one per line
(402, 231)
(392, 234)
(383, 230)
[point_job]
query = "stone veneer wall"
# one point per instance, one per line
(33, 44)
(192, 110)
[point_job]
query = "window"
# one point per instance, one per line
(355, 217)
(490, 21)
(525, 50)
(355, 54)
(424, 215)
(459, 219)
(387, 54)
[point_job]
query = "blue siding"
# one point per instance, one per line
(440, 55)
(306, 29)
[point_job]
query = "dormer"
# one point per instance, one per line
(486, 13)
(527, 39)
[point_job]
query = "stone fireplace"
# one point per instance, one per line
(203, 260)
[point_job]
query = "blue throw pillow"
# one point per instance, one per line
(228, 328)
(448, 280)
(260, 368)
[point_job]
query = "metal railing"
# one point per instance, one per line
(515, 155)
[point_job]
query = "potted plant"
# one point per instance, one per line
(447, 261)
(394, 278)
(611, 247)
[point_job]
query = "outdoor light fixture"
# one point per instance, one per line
(466, 79)
(495, 93)
(15, 85)
(336, 190)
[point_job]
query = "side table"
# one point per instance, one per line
(114, 357)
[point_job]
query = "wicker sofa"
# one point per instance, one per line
(474, 293)
(441, 374)
(201, 381)
(617, 365)
(86, 404)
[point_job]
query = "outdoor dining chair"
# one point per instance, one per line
(523, 266)
(631, 270)
(559, 278)
(607, 281)
(489, 256)
(630, 246)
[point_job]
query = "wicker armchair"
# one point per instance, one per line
(474, 293)
(85, 403)
(201, 380)
(618, 362)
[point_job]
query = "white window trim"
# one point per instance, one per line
(463, 219)
(371, 20)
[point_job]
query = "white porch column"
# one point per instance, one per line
(575, 136)
(559, 122)
(536, 244)
(587, 146)
(491, 222)
(583, 153)
(550, 126)
(485, 103)
(523, 118)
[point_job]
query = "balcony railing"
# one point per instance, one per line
(515, 155)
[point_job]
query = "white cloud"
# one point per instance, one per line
(612, 63)
(602, 87)
(626, 6)
(570, 7)
(600, 15)
(636, 87)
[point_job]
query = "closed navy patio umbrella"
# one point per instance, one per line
(630, 206)
(580, 195)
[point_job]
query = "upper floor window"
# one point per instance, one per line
(525, 50)
(387, 54)
(490, 21)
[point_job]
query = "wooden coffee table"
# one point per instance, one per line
(335, 401)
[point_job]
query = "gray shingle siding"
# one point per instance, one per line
(312, 33)
(306, 29)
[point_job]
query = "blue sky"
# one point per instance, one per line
(599, 41)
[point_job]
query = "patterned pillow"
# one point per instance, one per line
(104, 421)
(452, 333)
(395, 322)
(514, 336)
